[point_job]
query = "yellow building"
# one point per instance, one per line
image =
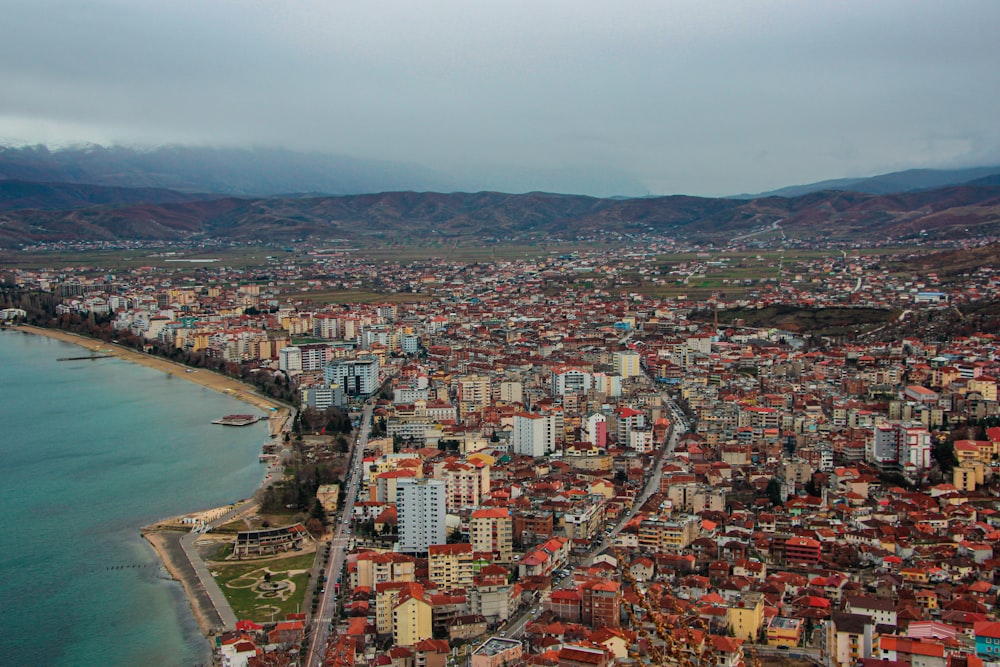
(747, 616)
(491, 530)
(450, 565)
(968, 475)
(411, 621)
(373, 568)
(784, 631)
(668, 534)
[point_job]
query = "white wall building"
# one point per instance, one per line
(358, 377)
(533, 434)
(420, 504)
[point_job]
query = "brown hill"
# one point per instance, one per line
(844, 216)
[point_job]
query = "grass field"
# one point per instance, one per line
(246, 588)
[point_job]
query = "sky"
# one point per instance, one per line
(707, 97)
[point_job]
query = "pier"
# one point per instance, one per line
(92, 356)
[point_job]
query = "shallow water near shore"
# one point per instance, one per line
(92, 451)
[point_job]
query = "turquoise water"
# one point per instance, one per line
(90, 451)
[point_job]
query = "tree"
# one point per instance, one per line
(317, 511)
(943, 452)
(774, 491)
(315, 527)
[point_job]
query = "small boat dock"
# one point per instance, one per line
(237, 420)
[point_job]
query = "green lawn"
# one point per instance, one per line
(241, 582)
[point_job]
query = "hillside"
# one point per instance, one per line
(954, 212)
(17, 194)
(910, 180)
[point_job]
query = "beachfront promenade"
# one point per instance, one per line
(206, 583)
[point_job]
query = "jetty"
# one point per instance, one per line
(237, 420)
(91, 356)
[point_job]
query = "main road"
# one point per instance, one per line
(338, 547)
(678, 427)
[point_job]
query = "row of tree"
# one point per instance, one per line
(40, 309)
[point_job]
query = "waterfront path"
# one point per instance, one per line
(207, 585)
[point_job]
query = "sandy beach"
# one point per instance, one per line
(165, 537)
(167, 544)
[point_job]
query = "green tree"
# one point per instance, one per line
(774, 491)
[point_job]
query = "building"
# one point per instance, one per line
(584, 656)
(411, 620)
(626, 363)
(897, 445)
(662, 534)
(848, 639)
(782, 631)
(803, 550)
(594, 429)
(747, 616)
(601, 606)
(465, 483)
(497, 652)
(491, 531)
(987, 640)
(421, 507)
(533, 435)
(473, 395)
(567, 380)
(290, 359)
(450, 565)
(358, 377)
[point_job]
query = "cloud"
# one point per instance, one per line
(702, 98)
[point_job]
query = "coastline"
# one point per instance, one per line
(162, 536)
(277, 414)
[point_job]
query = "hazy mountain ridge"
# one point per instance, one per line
(227, 171)
(949, 212)
(909, 180)
(269, 172)
(17, 194)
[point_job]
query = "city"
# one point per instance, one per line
(604, 457)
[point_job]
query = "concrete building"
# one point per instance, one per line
(473, 395)
(491, 531)
(358, 377)
(747, 616)
(450, 565)
(567, 380)
(533, 434)
(421, 507)
(497, 652)
(626, 363)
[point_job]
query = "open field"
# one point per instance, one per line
(133, 258)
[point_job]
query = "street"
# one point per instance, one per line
(320, 623)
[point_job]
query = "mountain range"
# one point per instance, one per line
(46, 198)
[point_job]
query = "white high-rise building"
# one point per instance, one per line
(566, 380)
(420, 504)
(358, 377)
(290, 359)
(533, 435)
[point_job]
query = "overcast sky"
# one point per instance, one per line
(708, 97)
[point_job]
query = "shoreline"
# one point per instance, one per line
(277, 414)
(166, 542)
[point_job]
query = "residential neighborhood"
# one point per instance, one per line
(565, 470)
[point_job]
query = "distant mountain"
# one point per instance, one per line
(272, 172)
(230, 171)
(371, 219)
(16, 195)
(910, 180)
